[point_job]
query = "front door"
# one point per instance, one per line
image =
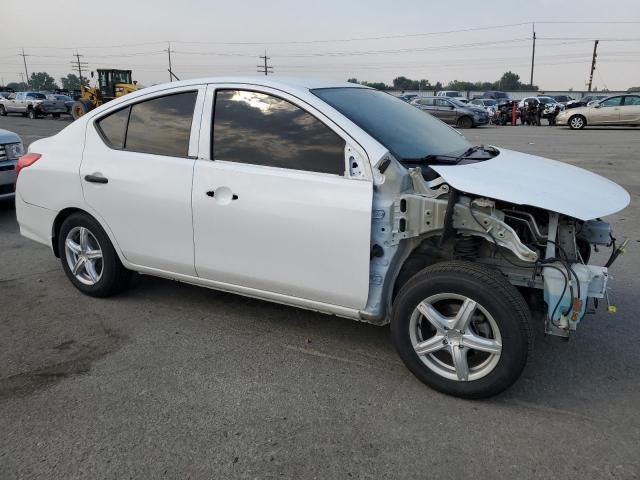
(137, 173)
(274, 208)
(607, 111)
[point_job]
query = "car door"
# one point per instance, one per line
(446, 110)
(275, 208)
(137, 173)
(630, 110)
(607, 111)
(13, 104)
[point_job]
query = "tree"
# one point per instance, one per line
(403, 83)
(17, 86)
(72, 82)
(353, 80)
(510, 81)
(437, 87)
(42, 81)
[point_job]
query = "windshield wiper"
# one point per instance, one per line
(454, 159)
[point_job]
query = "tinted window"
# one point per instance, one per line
(162, 125)
(611, 102)
(442, 103)
(113, 127)
(36, 96)
(259, 129)
(632, 100)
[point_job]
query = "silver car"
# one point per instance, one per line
(10, 149)
(618, 110)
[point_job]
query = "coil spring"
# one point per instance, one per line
(467, 247)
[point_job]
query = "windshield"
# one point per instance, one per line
(489, 103)
(545, 100)
(38, 96)
(408, 132)
(452, 94)
(62, 98)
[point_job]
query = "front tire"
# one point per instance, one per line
(577, 122)
(80, 108)
(88, 257)
(462, 329)
(3, 111)
(465, 122)
(32, 114)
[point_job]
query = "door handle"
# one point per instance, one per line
(224, 193)
(96, 179)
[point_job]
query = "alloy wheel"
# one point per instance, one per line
(455, 337)
(84, 255)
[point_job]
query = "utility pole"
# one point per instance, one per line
(266, 69)
(21, 78)
(170, 69)
(533, 53)
(593, 62)
(24, 59)
(78, 65)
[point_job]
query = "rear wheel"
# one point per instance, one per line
(3, 111)
(462, 329)
(88, 257)
(577, 122)
(80, 108)
(465, 122)
(32, 114)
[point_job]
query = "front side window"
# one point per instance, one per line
(611, 102)
(631, 100)
(260, 129)
(160, 126)
(442, 103)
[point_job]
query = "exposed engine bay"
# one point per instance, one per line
(419, 219)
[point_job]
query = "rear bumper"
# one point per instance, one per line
(36, 223)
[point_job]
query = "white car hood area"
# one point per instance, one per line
(525, 179)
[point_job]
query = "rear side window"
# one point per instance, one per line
(632, 100)
(260, 129)
(159, 126)
(114, 127)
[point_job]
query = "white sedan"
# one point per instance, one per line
(332, 197)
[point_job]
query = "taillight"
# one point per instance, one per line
(26, 161)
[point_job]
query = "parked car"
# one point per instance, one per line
(496, 95)
(489, 104)
(408, 97)
(582, 102)
(562, 99)
(617, 110)
(333, 197)
(68, 101)
(11, 148)
(453, 112)
(5, 94)
(451, 94)
(31, 104)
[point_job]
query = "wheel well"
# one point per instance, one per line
(57, 223)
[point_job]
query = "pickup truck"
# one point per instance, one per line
(31, 104)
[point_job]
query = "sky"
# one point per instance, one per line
(332, 39)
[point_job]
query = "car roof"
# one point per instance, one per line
(277, 82)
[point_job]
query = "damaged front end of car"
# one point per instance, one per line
(424, 215)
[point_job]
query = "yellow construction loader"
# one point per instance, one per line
(111, 84)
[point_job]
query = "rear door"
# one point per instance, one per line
(446, 110)
(630, 110)
(276, 207)
(137, 173)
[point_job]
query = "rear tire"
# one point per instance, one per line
(3, 111)
(465, 122)
(88, 257)
(32, 114)
(486, 339)
(577, 122)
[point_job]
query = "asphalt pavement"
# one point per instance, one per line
(169, 380)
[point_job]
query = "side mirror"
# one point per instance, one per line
(597, 105)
